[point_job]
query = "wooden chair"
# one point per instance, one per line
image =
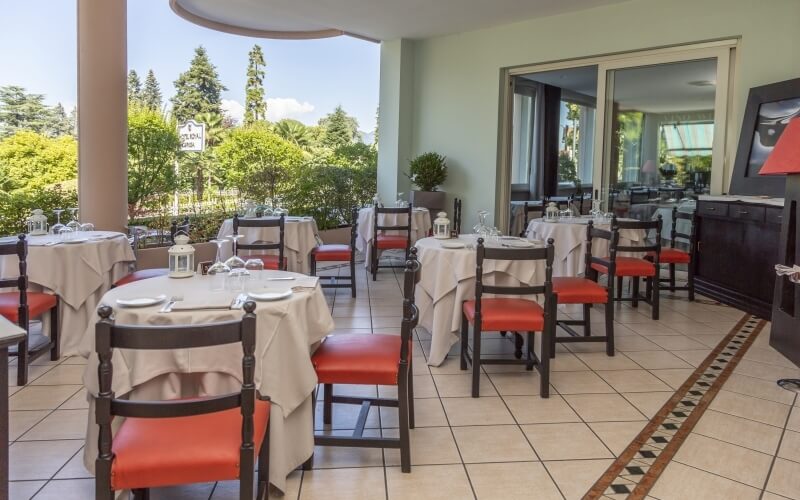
(634, 268)
(377, 359)
(389, 241)
(20, 306)
(526, 210)
(164, 443)
(144, 274)
(457, 215)
(510, 314)
(274, 262)
(587, 291)
(338, 253)
(672, 255)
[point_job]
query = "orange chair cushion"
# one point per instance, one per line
(671, 256)
(38, 304)
(390, 241)
(579, 291)
(501, 315)
(628, 266)
(270, 261)
(140, 275)
(153, 452)
(332, 253)
(355, 358)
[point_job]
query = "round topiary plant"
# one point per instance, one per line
(428, 171)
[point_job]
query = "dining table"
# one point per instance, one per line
(300, 237)
(420, 227)
(79, 270)
(287, 330)
(448, 279)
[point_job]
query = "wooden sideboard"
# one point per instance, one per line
(737, 248)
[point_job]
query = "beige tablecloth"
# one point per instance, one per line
(299, 239)
(286, 331)
(448, 279)
(420, 227)
(79, 273)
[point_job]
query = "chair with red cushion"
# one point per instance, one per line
(338, 253)
(587, 291)
(507, 314)
(373, 359)
(672, 255)
(20, 306)
(399, 239)
(271, 261)
(165, 443)
(635, 268)
(143, 274)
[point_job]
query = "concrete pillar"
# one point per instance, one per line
(102, 113)
(395, 118)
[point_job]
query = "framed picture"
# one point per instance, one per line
(204, 266)
(769, 109)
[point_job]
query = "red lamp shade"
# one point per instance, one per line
(785, 156)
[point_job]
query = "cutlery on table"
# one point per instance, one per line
(282, 278)
(170, 304)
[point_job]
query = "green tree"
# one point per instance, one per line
(339, 128)
(30, 161)
(59, 122)
(153, 145)
(295, 132)
(151, 94)
(198, 90)
(20, 110)
(134, 88)
(255, 108)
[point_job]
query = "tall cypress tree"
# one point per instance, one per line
(134, 87)
(151, 94)
(255, 108)
(198, 90)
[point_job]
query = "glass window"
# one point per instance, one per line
(522, 138)
(576, 144)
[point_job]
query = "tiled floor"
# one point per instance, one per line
(509, 443)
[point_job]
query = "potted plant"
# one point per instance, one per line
(428, 171)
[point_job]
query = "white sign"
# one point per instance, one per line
(193, 136)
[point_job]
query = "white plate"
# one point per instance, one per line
(267, 296)
(520, 244)
(142, 301)
(75, 241)
(453, 244)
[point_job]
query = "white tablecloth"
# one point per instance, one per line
(286, 331)
(420, 227)
(299, 239)
(570, 242)
(79, 273)
(448, 279)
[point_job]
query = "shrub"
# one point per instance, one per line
(16, 207)
(428, 171)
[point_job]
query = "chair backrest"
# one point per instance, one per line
(690, 238)
(515, 254)
(109, 336)
(528, 208)
(613, 194)
(457, 215)
(279, 222)
(411, 277)
(612, 236)
(639, 196)
(19, 247)
(646, 225)
(377, 226)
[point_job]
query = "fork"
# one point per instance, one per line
(170, 304)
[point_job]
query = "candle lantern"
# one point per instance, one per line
(181, 258)
(37, 223)
(551, 212)
(441, 226)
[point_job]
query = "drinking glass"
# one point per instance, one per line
(236, 279)
(400, 203)
(66, 234)
(87, 227)
(256, 269)
(480, 228)
(218, 269)
(58, 226)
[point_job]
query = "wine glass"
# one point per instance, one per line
(218, 270)
(66, 234)
(74, 224)
(255, 267)
(235, 262)
(480, 228)
(58, 226)
(400, 203)
(87, 227)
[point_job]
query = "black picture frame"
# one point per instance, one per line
(745, 179)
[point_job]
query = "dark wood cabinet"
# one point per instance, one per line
(737, 248)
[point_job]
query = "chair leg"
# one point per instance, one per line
(313, 264)
(690, 283)
(405, 439)
(353, 273)
(610, 328)
(635, 291)
(619, 286)
(141, 494)
(544, 360)
(672, 277)
(263, 468)
(476, 359)
(519, 342)
(373, 258)
(530, 351)
(55, 334)
(648, 290)
(655, 299)
(411, 423)
(22, 362)
(587, 320)
(464, 341)
(327, 404)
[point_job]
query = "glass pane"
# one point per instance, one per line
(576, 140)
(522, 138)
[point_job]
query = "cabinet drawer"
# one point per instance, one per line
(713, 209)
(774, 215)
(746, 212)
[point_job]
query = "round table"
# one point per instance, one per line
(420, 227)
(448, 279)
(286, 330)
(79, 273)
(300, 237)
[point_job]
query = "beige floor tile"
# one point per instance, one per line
(23, 490)
(711, 340)
(61, 424)
(655, 360)
(790, 446)
(39, 459)
(758, 388)
(512, 481)
(229, 490)
(739, 431)
(603, 408)
(423, 388)
(460, 385)
(694, 357)
(653, 328)
(41, 397)
(351, 311)
(432, 482)
(765, 371)
(573, 441)
(61, 375)
(794, 420)
(428, 412)
(586, 382)
(493, 443)
(752, 408)
(602, 361)
(363, 483)
(450, 366)
(769, 356)
(345, 416)
(19, 422)
(648, 402)
(677, 342)
(635, 343)
(681, 482)
(696, 327)
(476, 411)
(330, 457)
(76, 402)
(34, 372)
(381, 323)
(567, 362)
(74, 469)
(740, 464)
(785, 478)
(429, 446)
(522, 383)
(536, 410)
(363, 322)
(71, 488)
(575, 477)
(673, 377)
(617, 435)
(633, 381)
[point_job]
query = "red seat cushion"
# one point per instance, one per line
(390, 241)
(671, 256)
(153, 452)
(355, 358)
(332, 253)
(501, 315)
(628, 266)
(579, 291)
(38, 304)
(270, 261)
(141, 274)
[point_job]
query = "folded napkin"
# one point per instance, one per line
(305, 283)
(200, 304)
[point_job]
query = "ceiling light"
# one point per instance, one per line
(703, 83)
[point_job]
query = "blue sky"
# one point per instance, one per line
(305, 79)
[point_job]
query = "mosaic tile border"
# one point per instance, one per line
(636, 470)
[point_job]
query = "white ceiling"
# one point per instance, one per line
(371, 19)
